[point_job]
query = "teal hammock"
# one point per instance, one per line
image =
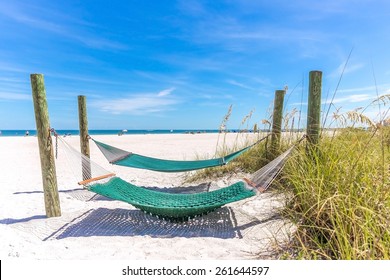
(124, 158)
(178, 207)
(172, 206)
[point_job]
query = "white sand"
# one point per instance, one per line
(108, 229)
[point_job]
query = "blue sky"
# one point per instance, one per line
(181, 64)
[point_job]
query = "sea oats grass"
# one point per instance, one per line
(341, 197)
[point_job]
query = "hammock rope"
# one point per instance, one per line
(124, 158)
(89, 171)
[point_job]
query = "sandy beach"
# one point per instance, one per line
(94, 227)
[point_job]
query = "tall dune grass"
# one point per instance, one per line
(339, 190)
(341, 197)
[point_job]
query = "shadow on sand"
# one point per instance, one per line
(221, 224)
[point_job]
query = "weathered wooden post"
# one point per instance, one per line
(49, 177)
(84, 137)
(277, 118)
(314, 107)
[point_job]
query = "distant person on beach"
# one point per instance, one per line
(27, 133)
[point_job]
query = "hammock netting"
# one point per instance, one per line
(172, 206)
(124, 158)
(184, 206)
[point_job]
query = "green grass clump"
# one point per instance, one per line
(341, 196)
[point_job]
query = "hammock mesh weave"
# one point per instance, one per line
(172, 206)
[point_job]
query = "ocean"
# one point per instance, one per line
(108, 132)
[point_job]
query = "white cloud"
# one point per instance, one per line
(276, 33)
(11, 79)
(166, 92)
(353, 98)
(139, 104)
(348, 69)
(25, 15)
(373, 114)
(360, 94)
(14, 96)
(235, 83)
(368, 88)
(7, 67)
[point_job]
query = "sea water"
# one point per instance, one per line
(68, 132)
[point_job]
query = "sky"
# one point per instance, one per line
(180, 64)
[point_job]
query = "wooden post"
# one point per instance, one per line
(314, 107)
(49, 178)
(84, 137)
(277, 118)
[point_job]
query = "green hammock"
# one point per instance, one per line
(124, 158)
(184, 206)
(172, 206)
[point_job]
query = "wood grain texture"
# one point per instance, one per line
(49, 177)
(314, 107)
(277, 118)
(84, 136)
